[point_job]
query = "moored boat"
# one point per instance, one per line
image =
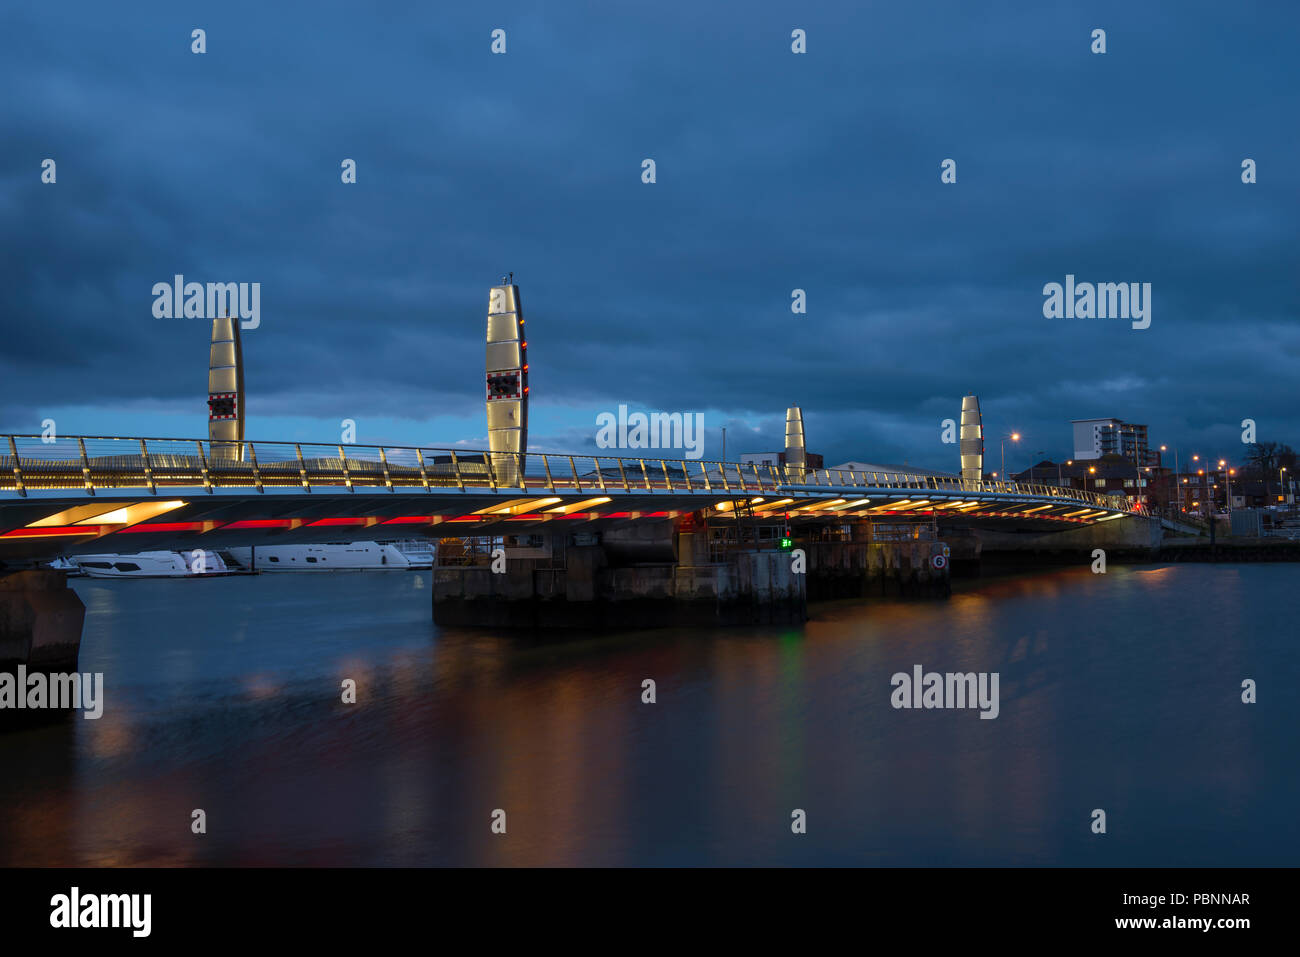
(327, 557)
(159, 564)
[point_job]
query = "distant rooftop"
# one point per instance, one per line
(892, 469)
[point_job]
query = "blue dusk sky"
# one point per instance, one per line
(775, 171)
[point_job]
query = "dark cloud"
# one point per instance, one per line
(775, 171)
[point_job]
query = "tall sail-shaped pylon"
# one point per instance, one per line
(226, 390)
(796, 457)
(507, 383)
(972, 440)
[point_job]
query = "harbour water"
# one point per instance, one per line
(1119, 691)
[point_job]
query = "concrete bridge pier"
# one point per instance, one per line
(1135, 538)
(40, 629)
(644, 575)
(965, 550)
(863, 569)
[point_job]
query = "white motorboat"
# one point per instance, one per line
(418, 551)
(329, 557)
(65, 565)
(195, 564)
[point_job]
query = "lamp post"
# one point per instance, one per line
(1175, 483)
(1197, 458)
(1227, 487)
(1014, 437)
(1169, 485)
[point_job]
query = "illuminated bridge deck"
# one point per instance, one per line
(64, 496)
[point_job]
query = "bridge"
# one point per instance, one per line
(78, 494)
(576, 540)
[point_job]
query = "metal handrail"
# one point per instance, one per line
(90, 463)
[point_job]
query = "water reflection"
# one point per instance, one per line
(1118, 691)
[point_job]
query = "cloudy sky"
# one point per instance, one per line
(775, 171)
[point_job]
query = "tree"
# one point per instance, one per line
(1265, 458)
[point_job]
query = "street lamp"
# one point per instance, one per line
(1014, 437)
(1197, 458)
(1175, 482)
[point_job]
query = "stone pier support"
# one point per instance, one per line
(632, 579)
(40, 628)
(40, 621)
(1134, 538)
(859, 569)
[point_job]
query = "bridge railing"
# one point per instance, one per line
(91, 463)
